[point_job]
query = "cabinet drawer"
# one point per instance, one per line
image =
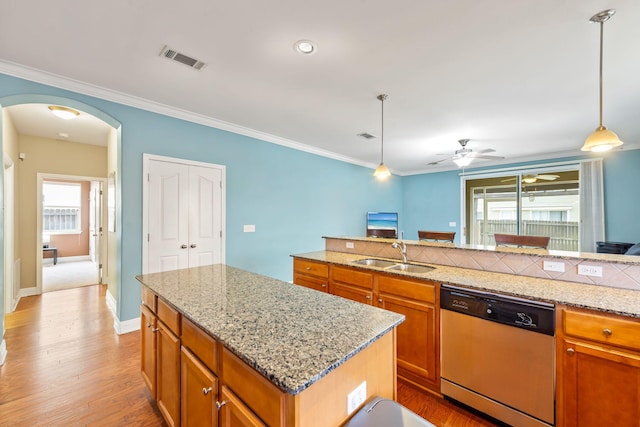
(309, 267)
(421, 291)
(265, 399)
(604, 329)
(169, 316)
(201, 344)
(317, 283)
(352, 276)
(149, 299)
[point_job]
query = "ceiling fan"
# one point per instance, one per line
(530, 179)
(464, 156)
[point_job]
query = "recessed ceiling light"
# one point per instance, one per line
(305, 47)
(64, 112)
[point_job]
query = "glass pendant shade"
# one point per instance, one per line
(462, 162)
(601, 140)
(382, 171)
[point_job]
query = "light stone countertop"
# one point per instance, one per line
(602, 298)
(290, 334)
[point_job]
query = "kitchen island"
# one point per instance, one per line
(306, 349)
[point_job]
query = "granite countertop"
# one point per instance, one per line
(290, 334)
(602, 298)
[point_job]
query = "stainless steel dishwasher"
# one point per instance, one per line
(497, 355)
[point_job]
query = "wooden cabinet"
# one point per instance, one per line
(351, 283)
(233, 413)
(168, 363)
(598, 362)
(418, 336)
(199, 393)
(148, 322)
(417, 347)
(314, 275)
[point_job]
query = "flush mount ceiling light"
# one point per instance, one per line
(305, 47)
(602, 139)
(382, 171)
(65, 113)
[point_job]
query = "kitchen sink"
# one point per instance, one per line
(393, 265)
(411, 268)
(374, 262)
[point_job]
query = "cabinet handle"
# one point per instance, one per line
(154, 330)
(607, 332)
(183, 247)
(379, 299)
(148, 324)
(206, 391)
(193, 246)
(324, 285)
(308, 268)
(570, 351)
(368, 296)
(220, 404)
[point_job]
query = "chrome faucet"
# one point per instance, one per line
(399, 245)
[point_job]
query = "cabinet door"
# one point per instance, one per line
(148, 348)
(199, 393)
(601, 386)
(234, 413)
(416, 345)
(168, 376)
(311, 282)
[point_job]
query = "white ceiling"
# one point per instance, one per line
(520, 77)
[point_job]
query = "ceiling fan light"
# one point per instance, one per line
(462, 162)
(529, 179)
(601, 140)
(65, 113)
(382, 172)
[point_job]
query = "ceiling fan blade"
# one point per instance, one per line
(548, 177)
(436, 162)
(482, 156)
(486, 150)
(509, 179)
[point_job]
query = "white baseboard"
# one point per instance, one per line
(119, 326)
(27, 292)
(111, 303)
(3, 352)
(46, 261)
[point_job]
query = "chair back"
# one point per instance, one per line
(377, 232)
(436, 236)
(522, 241)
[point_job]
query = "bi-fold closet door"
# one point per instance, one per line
(184, 215)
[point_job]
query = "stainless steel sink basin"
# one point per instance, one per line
(411, 268)
(374, 262)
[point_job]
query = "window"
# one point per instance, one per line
(525, 203)
(61, 208)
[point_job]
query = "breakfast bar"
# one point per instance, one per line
(303, 351)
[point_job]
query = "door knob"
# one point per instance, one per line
(183, 247)
(193, 246)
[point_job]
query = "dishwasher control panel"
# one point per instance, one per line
(531, 315)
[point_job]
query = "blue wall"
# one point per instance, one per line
(293, 198)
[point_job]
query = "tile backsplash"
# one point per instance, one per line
(614, 274)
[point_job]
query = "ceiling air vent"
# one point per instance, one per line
(174, 55)
(366, 135)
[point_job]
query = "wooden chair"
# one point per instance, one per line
(436, 236)
(522, 241)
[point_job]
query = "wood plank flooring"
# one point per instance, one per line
(67, 367)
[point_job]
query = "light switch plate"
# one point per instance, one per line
(349, 245)
(251, 228)
(452, 224)
(553, 266)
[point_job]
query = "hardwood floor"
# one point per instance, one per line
(67, 367)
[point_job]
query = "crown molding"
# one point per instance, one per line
(61, 82)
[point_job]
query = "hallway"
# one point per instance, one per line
(67, 367)
(68, 275)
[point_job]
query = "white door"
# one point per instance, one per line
(204, 216)
(168, 213)
(95, 227)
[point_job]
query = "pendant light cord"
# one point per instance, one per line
(382, 97)
(601, 50)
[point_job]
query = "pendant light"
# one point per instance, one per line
(602, 139)
(382, 171)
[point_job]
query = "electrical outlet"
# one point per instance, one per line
(349, 245)
(589, 270)
(553, 266)
(452, 224)
(356, 397)
(249, 228)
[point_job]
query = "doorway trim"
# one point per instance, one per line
(41, 177)
(8, 182)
